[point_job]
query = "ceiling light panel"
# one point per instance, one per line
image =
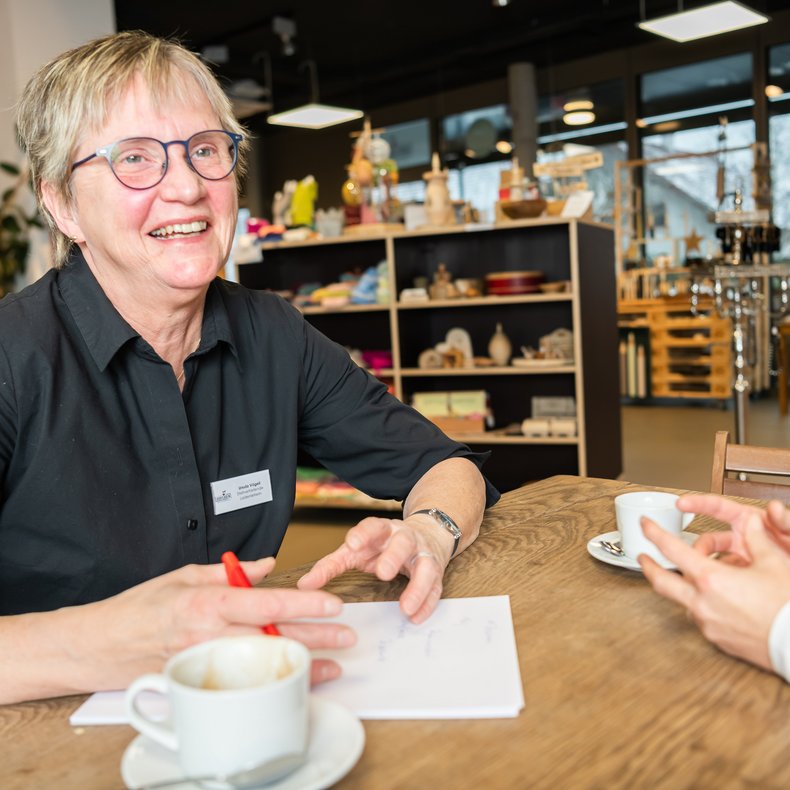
(710, 20)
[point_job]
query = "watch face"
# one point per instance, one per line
(448, 523)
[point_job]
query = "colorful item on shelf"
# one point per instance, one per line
(377, 360)
(513, 283)
(303, 201)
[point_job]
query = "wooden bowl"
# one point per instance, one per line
(522, 209)
(513, 283)
(554, 207)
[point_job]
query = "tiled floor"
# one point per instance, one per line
(662, 445)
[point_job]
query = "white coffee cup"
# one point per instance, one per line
(235, 702)
(658, 506)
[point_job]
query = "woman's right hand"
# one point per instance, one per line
(105, 645)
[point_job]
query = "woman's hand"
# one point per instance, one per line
(775, 519)
(105, 645)
(417, 548)
(733, 606)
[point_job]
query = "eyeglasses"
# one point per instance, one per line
(141, 162)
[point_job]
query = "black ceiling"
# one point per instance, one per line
(370, 53)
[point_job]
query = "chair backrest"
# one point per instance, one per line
(734, 459)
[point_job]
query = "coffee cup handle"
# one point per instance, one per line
(687, 519)
(157, 731)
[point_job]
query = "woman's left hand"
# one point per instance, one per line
(386, 547)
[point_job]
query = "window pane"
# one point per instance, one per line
(779, 135)
(713, 86)
(471, 137)
(607, 100)
(680, 194)
(410, 143)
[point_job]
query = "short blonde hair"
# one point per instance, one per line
(75, 92)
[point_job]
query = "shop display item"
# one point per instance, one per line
(513, 283)
(438, 206)
(442, 286)
(500, 347)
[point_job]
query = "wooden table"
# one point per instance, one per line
(621, 689)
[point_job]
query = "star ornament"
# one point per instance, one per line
(692, 241)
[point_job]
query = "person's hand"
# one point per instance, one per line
(775, 518)
(142, 626)
(733, 606)
(386, 547)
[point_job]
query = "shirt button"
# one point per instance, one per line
(192, 524)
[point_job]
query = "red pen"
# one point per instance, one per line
(237, 578)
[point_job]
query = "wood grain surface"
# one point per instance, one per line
(621, 689)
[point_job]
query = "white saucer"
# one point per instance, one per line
(336, 742)
(600, 553)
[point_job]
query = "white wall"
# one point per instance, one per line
(31, 33)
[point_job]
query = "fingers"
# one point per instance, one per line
(760, 545)
(401, 551)
(319, 636)
(712, 542)
(325, 569)
(258, 607)
(424, 589)
(778, 516)
(666, 583)
(715, 506)
(362, 543)
(323, 669)
(688, 560)
(255, 570)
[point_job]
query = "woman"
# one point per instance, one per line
(150, 414)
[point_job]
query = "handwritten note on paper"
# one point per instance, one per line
(460, 664)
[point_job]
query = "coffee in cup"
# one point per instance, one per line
(659, 506)
(235, 702)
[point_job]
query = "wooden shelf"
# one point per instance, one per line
(492, 371)
(579, 252)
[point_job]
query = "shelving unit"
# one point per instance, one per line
(564, 249)
(690, 355)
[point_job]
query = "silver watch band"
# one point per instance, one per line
(445, 522)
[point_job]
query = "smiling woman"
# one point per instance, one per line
(151, 397)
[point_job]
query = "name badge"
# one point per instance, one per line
(242, 491)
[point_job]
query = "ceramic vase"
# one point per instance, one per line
(499, 347)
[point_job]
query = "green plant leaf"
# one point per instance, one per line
(9, 168)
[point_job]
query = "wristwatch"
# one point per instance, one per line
(446, 522)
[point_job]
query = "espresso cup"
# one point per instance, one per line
(658, 506)
(235, 702)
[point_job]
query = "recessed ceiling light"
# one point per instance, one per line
(578, 117)
(577, 104)
(710, 20)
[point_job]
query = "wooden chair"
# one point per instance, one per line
(749, 459)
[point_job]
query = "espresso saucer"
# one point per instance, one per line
(595, 549)
(337, 739)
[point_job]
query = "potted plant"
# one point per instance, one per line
(15, 226)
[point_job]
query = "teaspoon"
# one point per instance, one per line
(257, 776)
(612, 548)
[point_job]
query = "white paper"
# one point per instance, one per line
(460, 664)
(578, 203)
(106, 707)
